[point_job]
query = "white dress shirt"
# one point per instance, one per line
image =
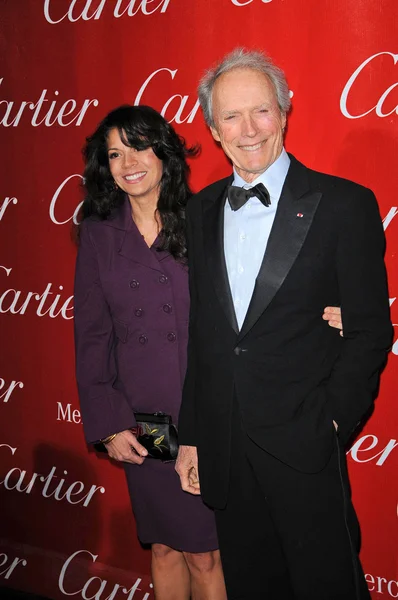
(246, 233)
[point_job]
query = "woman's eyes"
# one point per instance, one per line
(113, 155)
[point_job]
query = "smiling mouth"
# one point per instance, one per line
(252, 148)
(135, 176)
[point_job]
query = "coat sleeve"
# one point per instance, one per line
(105, 410)
(362, 281)
(186, 422)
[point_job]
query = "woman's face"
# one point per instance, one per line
(136, 172)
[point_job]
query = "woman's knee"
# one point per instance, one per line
(203, 562)
(164, 553)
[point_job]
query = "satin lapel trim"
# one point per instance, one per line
(292, 222)
(213, 226)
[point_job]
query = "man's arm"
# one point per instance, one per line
(187, 460)
(362, 280)
(186, 421)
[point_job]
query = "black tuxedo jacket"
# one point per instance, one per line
(291, 374)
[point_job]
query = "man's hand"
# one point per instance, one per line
(126, 448)
(187, 468)
(332, 314)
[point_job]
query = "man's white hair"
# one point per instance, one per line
(240, 58)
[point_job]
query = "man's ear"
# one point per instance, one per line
(214, 133)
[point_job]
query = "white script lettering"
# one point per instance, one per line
(378, 107)
(393, 212)
(177, 117)
(382, 584)
(67, 414)
(52, 114)
(121, 7)
(245, 2)
(7, 201)
(6, 395)
(371, 442)
(99, 584)
(9, 568)
(16, 478)
(10, 298)
(394, 348)
(54, 200)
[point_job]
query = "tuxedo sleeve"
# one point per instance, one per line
(104, 409)
(186, 422)
(362, 281)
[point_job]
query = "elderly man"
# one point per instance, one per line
(272, 393)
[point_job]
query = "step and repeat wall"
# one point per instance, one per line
(66, 527)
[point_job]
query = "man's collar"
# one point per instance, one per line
(273, 178)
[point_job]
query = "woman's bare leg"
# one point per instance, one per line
(170, 574)
(207, 580)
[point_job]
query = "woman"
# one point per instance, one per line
(131, 314)
(131, 317)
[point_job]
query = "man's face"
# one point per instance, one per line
(248, 122)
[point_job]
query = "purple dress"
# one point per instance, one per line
(131, 331)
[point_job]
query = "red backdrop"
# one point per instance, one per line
(66, 525)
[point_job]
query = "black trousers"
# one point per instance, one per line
(288, 535)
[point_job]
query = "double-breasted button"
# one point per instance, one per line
(163, 279)
(138, 312)
(167, 308)
(134, 284)
(143, 339)
(171, 336)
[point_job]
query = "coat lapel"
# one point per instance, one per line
(213, 226)
(296, 209)
(133, 245)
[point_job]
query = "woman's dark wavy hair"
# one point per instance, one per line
(141, 127)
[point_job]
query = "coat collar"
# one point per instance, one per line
(120, 218)
(133, 245)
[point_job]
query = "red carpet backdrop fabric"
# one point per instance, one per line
(66, 526)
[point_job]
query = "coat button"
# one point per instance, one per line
(138, 312)
(167, 308)
(171, 337)
(163, 279)
(238, 350)
(134, 284)
(143, 339)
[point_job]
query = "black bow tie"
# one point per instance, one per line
(238, 196)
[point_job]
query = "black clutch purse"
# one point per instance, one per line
(158, 435)
(156, 432)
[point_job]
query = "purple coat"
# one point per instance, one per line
(131, 331)
(131, 326)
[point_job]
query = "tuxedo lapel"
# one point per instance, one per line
(213, 226)
(296, 209)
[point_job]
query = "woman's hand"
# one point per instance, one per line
(332, 314)
(126, 448)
